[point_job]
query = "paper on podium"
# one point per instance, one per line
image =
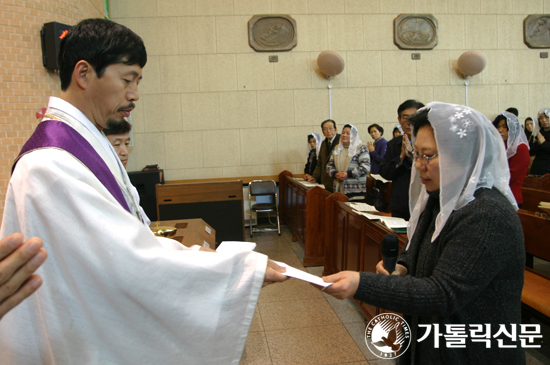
(308, 184)
(363, 207)
(302, 275)
(235, 246)
(379, 178)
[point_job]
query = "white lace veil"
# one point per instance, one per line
(535, 126)
(545, 111)
(398, 126)
(516, 134)
(318, 141)
(354, 142)
(471, 156)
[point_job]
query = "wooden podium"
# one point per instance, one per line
(353, 243)
(303, 210)
(220, 204)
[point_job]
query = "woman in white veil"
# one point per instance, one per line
(314, 141)
(540, 148)
(464, 262)
(349, 164)
(517, 150)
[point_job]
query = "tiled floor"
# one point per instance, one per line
(295, 323)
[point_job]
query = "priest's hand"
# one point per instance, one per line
(18, 261)
(345, 284)
(399, 269)
(206, 249)
(273, 273)
(309, 178)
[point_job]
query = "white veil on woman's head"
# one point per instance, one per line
(516, 134)
(545, 111)
(535, 125)
(318, 141)
(398, 126)
(354, 142)
(471, 156)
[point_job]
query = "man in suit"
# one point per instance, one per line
(397, 162)
(332, 138)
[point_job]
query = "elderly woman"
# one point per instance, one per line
(349, 164)
(517, 150)
(377, 149)
(464, 262)
(314, 146)
(540, 148)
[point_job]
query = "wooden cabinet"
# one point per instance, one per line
(220, 204)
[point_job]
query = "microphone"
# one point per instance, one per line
(390, 250)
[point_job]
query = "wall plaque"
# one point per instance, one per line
(536, 31)
(268, 33)
(415, 31)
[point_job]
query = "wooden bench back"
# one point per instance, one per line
(540, 183)
(532, 198)
(536, 232)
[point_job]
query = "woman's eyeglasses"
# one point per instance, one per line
(424, 159)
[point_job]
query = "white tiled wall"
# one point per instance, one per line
(213, 107)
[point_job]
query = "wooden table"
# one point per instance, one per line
(353, 242)
(303, 210)
(220, 204)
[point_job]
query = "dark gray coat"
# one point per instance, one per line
(471, 274)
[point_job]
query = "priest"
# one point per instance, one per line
(113, 292)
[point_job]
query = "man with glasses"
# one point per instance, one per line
(397, 163)
(332, 138)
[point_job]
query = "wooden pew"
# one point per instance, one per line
(535, 297)
(532, 198)
(540, 183)
(303, 210)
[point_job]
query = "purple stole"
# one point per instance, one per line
(56, 134)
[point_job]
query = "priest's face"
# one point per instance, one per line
(111, 97)
(121, 144)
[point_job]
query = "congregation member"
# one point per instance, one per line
(112, 292)
(540, 148)
(517, 150)
(332, 139)
(463, 264)
(397, 162)
(349, 164)
(314, 146)
(377, 149)
(18, 262)
(514, 111)
(531, 129)
(397, 131)
(118, 135)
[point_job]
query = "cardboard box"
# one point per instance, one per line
(191, 232)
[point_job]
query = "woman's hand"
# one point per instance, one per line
(540, 138)
(370, 146)
(345, 284)
(341, 176)
(399, 269)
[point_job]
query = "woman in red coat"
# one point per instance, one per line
(517, 150)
